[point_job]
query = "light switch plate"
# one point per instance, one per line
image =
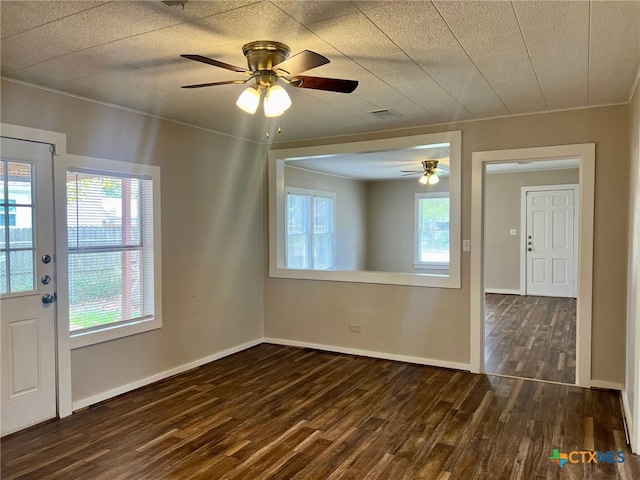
(513, 231)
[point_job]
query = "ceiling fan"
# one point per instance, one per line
(269, 64)
(428, 174)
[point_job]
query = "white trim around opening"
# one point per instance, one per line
(586, 154)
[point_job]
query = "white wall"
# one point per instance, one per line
(631, 394)
(212, 207)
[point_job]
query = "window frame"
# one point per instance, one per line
(11, 204)
(277, 160)
(436, 267)
(95, 335)
(313, 194)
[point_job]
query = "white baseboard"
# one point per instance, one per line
(607, 385)
(503, 291)
(628, 421)
(85, 402)
(368, 353)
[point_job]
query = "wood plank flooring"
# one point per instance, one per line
(531, 337)
(274, 412)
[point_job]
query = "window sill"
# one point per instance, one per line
(441, 279)
(84, 339)
(431, 266)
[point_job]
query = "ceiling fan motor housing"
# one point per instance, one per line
(429, 166)
(262, 55)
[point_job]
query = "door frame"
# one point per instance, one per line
(523, 229)
(63, 342)
(586, 155)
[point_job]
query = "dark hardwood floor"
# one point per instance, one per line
(531, 337)
(275, 412)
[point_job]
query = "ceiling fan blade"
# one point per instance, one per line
(200, 85)
(215, 63)
(410, 173)
(321, 83)
(301, 62)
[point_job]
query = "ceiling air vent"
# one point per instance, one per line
(385, 114)
(173, 3)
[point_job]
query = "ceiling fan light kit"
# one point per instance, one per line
(249, 100)
(429, 179)
(428, 174)
(276, 101)
(269, 64)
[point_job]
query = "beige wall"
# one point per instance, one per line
(633, 279)
(502, 213)
(391, 231)
(434, 323)
(350, 213)
(212, 205)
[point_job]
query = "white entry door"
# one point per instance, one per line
(550, 243)
(27, 285)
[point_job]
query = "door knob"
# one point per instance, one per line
(47, 298)
(530, 249)
(46, 258)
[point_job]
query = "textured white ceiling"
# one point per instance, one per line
(432, 62)
(391, 164)
(378, 165)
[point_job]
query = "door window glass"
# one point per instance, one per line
(17, 248)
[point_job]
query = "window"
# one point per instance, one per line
(432, 230)
(10, 212)
(309, 239)
(113, 281)
(17, 247)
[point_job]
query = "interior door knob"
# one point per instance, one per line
(530, 249)
(47, 298)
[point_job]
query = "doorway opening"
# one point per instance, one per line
(531, 310)
(530, 249)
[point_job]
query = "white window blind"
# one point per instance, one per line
(110, 244)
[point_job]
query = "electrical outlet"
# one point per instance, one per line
(354, 327)
(513, 232)
(466, 245)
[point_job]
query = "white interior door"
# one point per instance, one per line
(27, 285)
(550, 243)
